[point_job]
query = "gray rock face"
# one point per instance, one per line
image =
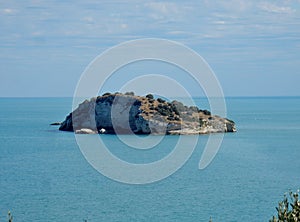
(127, 114)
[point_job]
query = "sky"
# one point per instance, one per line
(253, 47)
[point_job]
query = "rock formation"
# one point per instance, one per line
(127, 113)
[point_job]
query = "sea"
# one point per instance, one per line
(45, 177)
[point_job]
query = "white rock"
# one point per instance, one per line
(86, 131)
(102, 131)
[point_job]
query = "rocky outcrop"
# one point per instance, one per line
(127, 113)
(55, 124)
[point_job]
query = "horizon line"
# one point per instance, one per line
(244, 96)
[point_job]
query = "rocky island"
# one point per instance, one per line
(127, 113)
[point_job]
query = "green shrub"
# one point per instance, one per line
(288, 210)
(160, 100)
(129, 94)
(106, 94)
(150, 96)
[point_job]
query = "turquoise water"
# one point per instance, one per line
(44, 176)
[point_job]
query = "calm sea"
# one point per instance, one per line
(44, 177)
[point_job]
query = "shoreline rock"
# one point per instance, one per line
(55, 124)
(127, 113)
(86, 131)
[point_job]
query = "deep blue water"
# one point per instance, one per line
(44, 176)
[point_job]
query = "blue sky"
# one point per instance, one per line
(252, 46)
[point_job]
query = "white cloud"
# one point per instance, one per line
(8, 11)
(219, 22)
(167, 10)
(124, 26)
(269, 7)
(37, 33)
(177, 33)
(163, 8)
(234, 6)
(88, 19)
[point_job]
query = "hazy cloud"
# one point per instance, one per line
(163, 8)
(270, 7)
(8, 11)
(235, 36)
